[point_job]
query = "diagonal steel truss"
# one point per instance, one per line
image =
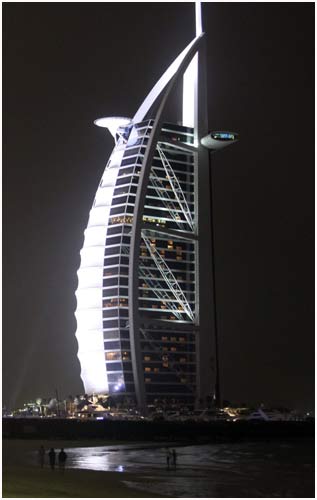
(162, 295)
(149, 278)
(168, 277)
(176, 187)
(163, 193)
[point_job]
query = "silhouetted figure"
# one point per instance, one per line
(168, 458)
(62, 456)
(174, 459)
(41, 456)
(52, 458)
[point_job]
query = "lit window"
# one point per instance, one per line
(182, 360)
(173, 349)
(113, 356)
(147, 380)
(156, 370)
(165, 365)
(147, 369)
(173, 339)
(147, 358)
(181, 339)
(164, 338)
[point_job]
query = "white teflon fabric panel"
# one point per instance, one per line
(90, 278)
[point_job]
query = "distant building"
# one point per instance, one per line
(144, 298)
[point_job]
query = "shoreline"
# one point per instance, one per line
(22, 479)
(215, 470)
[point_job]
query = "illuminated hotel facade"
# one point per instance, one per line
(145, 323)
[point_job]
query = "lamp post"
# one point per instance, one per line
(215, 141)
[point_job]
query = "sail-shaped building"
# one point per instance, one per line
(145, 322)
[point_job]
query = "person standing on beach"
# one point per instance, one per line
(174, 458)
(52, 458)
(62, 456)
(41, 455)
(168, 458)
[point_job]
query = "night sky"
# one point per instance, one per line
(66, 64)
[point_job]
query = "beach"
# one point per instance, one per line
(113, 469)
(23, 479)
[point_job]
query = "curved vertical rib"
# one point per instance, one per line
(162, 82)
(170, 80)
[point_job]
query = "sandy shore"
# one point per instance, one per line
(20, 479)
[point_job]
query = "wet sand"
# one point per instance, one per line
(113, 469)
(21, 479)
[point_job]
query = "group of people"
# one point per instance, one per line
(62, 457)
(171, 459)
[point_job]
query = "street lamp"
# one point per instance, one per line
(215, 141)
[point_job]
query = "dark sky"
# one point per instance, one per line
(66, 64)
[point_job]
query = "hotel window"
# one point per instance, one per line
(147, 369)
(115, 377)
(109, 273)
(165, 364)
(164, 339)
(182, 360)
(112, 345)
(113, 356)
(111, 334)
(173, 349)
(181, 339)
(125, 356)
(170, 245)
(147, 358)
(173, 339)
(156, 370)
(114, 367)
(147, 380)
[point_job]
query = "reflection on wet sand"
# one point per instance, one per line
(216, 470)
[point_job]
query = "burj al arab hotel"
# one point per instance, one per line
(145, 320)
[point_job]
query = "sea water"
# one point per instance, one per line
(232, 470)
